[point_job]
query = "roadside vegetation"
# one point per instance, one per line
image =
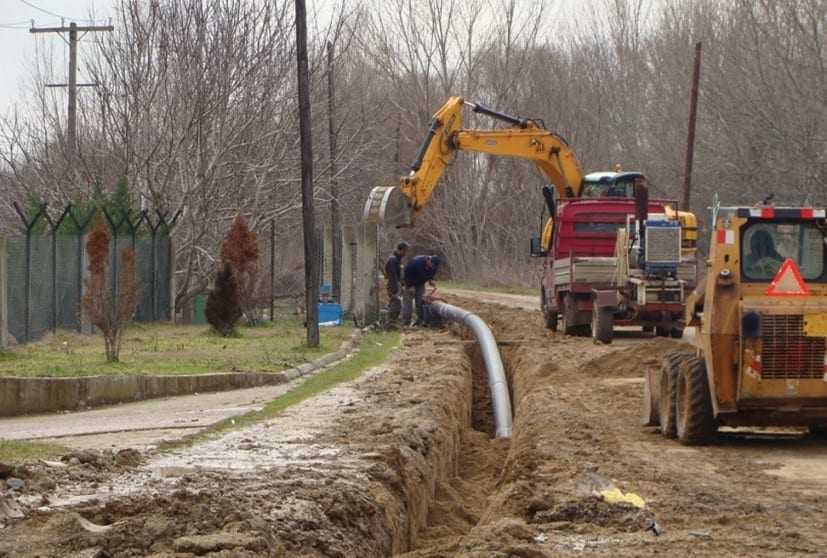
(164, 348)
(17, 451)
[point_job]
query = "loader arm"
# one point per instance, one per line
(524, 139)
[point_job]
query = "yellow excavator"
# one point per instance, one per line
(524, 139)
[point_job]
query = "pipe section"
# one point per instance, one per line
(500, 398)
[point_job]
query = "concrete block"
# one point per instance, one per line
(101, 390)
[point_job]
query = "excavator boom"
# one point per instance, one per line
(524, 139)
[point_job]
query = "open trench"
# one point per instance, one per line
(461, 501)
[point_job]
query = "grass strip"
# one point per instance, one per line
(374, 349)
(17, 451)
(164, 348)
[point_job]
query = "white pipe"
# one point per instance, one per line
(500, 398)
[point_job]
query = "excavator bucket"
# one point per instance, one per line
(388, 206)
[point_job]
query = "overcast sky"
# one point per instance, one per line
(17, 45)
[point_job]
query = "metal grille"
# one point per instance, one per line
(786, 352)
(663, 244)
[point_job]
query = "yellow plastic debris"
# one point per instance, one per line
(615, 496)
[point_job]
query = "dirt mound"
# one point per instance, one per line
(632, 360)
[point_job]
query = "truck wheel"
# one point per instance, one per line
(693, 405)
(569, 312)
(676, 333)
(649, 412)
(818, 430)
(602, 324)
(669, 368)
(647, 329)
(661, 331)
(549, 315)
(551, 319)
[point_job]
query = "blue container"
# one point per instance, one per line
(330, 314)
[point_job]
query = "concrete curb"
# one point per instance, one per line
(21, 396)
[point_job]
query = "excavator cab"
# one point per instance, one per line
(610, 185)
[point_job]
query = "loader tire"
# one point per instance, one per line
(602, 328)
(670, 366)
(649, 411)
(695, 421)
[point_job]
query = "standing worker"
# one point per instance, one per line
(420, 270)
(393, 278)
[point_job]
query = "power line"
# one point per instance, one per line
(45, 11)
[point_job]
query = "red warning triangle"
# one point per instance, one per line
(788, 281)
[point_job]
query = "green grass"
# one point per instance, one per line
(164, 348)
(374, 349)
(16, 451)
(488, 287)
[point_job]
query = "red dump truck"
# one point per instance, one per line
(580, 261)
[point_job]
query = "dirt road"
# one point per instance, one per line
(401, 462)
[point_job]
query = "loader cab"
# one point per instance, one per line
(765, 308)
(767, 244)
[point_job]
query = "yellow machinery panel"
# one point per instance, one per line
(815, 325)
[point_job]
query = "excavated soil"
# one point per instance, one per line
(403, 461)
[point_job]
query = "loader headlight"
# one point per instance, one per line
(751, 325)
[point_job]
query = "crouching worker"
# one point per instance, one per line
(419, 271)
(393, 278)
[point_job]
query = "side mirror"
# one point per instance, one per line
(536, 248)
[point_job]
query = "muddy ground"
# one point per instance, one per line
(402, 462)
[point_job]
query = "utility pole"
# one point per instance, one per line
(311, 255)
(71, 118)
(690, 140)
(336, 267)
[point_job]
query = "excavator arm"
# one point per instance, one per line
(524, 139)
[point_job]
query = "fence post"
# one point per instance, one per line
(53, 227)
(272, 270)
(153, 271)
(4, 286)
(27, 278)
(171, 277)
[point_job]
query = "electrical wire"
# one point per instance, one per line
(45, 11)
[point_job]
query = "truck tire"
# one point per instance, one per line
(602, 328)
(694, 419)
(549, 315)
(818, 430)
(670, 366)
(661, 331)
(551, 319)
(676, 333)
(569, 312)
(649, 411)
(647, 329)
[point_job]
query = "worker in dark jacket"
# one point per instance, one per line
(419, 271)
(393, 282)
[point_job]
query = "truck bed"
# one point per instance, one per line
(584, 269)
